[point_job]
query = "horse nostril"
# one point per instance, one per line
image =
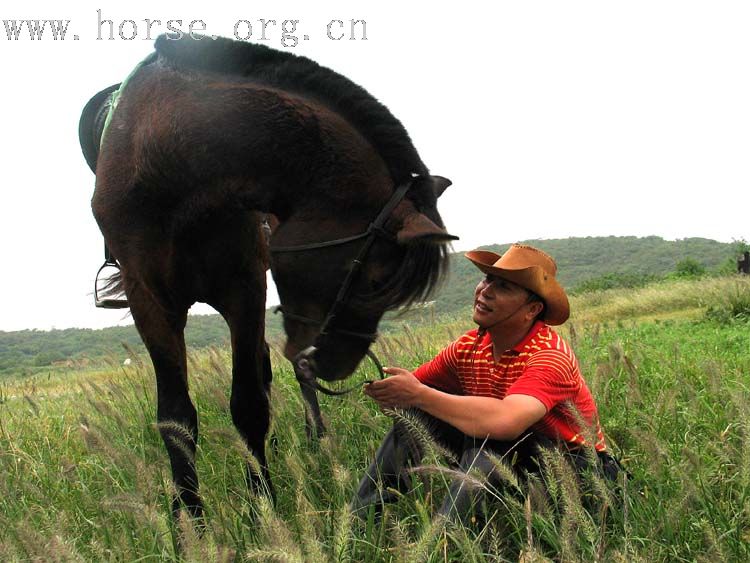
(305, 362)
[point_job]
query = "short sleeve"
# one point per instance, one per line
(441, 372)
(551, 376)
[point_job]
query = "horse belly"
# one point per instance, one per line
(220, 252)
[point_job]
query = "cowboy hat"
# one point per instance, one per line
(533, 270)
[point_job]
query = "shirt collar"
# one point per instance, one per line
(486, 342)
(535, 328)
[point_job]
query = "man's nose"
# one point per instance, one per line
(486, 290)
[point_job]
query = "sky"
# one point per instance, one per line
(553, 119)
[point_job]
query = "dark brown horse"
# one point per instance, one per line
(205, 137)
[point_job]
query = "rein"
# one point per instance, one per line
(304, 367)
(304, 363)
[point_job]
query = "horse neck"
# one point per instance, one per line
(337, 210)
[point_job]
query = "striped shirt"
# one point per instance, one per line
(542, 366)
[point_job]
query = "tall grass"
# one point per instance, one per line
(84, 475)
(681, 297)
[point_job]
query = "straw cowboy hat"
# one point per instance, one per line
(533, 270)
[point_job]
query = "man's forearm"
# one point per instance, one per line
(479, 417)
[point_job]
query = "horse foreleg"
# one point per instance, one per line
(162, 333)
(314, 426)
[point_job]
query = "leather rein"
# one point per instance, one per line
(304, 363)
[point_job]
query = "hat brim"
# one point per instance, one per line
(532, 278)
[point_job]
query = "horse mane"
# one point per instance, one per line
(420, 273)
(303, 76)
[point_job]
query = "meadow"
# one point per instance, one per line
(84, 475)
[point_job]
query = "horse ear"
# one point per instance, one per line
(439, 184)
(435, 184)
(418, 227)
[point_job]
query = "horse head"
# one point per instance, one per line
(335, 291)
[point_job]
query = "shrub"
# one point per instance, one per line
(689, 268)
(615, 280)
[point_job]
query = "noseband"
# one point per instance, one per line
(304, 364)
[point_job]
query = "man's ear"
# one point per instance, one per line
(537, 307)
(418, 227)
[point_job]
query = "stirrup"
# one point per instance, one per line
(107, 303)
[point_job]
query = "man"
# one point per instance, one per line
(509, 388)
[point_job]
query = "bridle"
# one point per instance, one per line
(304, 363)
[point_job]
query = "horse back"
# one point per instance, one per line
(185, 134)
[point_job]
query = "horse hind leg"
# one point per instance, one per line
(267, 379)
(162, 333)
(251, 379)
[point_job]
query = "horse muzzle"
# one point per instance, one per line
(306, 371)
(304, 364)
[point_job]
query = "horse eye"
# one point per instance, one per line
(376, 284)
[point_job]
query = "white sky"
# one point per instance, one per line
(553, 119)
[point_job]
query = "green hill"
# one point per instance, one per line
(583, 259)
(579, 260)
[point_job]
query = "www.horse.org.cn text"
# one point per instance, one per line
(286, 33)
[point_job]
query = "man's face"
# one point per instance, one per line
(497, 300)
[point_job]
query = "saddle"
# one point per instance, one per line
(90, 130)
(91, 124)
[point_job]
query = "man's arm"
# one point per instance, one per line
(480, 417)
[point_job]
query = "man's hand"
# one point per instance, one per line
(400, 390)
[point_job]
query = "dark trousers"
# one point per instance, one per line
(401, 450)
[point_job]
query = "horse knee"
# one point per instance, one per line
(252, 418)
(176, 406)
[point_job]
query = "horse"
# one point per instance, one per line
(204, 138)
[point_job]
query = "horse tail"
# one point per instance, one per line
(112, 287)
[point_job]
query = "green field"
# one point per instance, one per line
(84, 475)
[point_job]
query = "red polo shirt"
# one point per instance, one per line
(542, 366)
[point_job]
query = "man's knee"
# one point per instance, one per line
(387, 472)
